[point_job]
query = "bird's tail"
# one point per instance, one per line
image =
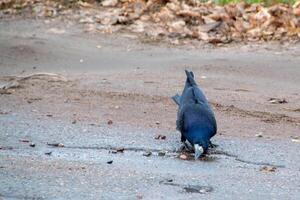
(190, 78)
(176, 99)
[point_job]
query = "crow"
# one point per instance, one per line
(195, 118)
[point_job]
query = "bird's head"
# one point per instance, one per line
(198, 151)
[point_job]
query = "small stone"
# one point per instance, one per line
(163, 137)
(169, 180)
(114, 151)
(60, 145)
(161, 153)
(147, 153)
(110, 162)
(259, 134)
(157, 122)
(74, 121)
(32, 144)
(98, 46)
(49, 115)
(183, 157)
(81, 60)
(48, 153)
(117, 107)
(110, 122)
(295, 140)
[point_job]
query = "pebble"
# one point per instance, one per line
(259, 134)
(147, 153)
(110, 162)
(32, 144)
(183, 157)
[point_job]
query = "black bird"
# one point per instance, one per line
(195, 118)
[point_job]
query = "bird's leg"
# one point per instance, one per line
(188, 146)
(185, 146)
(211, 145)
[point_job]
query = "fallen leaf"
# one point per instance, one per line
(268, 169)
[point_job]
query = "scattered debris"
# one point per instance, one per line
(48, 153)
(161, 153)
(147, 153)
(24, 140)
(197, 189)
(259, 134)
(3, 112)
(113, 151)
(110, 122)
(268, 169)
(32, 144)
(162, 137)
(56, 144)
(277, 101)
(31, 100)
(110, 162)
(120, 149)
(295, 140)
(169, 180)
(5, 148)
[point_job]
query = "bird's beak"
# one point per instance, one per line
(198, 151)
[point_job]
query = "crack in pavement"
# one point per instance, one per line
(214, 152)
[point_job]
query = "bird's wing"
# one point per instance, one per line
(176, 99)
(180, 120)
(198, 95)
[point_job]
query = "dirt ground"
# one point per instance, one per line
(114, 91)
